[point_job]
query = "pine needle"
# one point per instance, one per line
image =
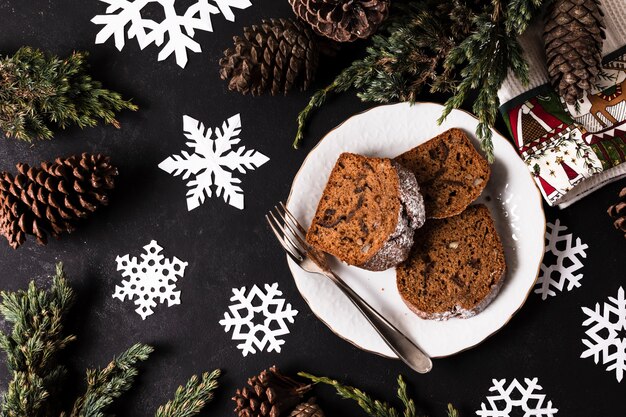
(190, 399)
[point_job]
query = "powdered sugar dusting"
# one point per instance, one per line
(411, 216)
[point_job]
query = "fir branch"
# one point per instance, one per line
(190, 399)
(105, 385)
(33, 345)
(38, 90)
(484, 59)
(373, 407)
(405, 56)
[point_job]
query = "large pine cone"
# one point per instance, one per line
(573, 36)
(50, 199)
(618, 212)
(342, 20)
(277, 56)
(270, 394)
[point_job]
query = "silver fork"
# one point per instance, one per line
(291, 236)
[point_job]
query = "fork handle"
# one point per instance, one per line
(394, 338)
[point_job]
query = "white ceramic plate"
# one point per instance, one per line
(511, 196)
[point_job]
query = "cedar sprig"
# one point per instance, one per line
(484, 59)
(374, 407)
(105, 385)
(406, 55)
(32, 347)
(39, 91)
(460, 46)
(190, 399)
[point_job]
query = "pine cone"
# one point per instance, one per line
(342, 20)
(279, 55)
(573, 36)
(50, 199)
(269, 394)
(618, 212)
(307, 409)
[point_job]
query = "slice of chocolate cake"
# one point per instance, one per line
(456, 267)
(450, 172)
(368, 212)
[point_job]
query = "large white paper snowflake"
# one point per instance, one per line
(607, 334)
(123, 15)
(153, 278)
(568, 261)
(516, 398)
(254, 305)
(211, 161)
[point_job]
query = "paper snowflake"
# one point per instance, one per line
(516, 398)
(213, 162)
(153, 278)
(607, 334)
(131, 15)
(244, 318)
(568, 261)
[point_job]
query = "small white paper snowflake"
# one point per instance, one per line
(152, 278)
(516, 398)
(568, 261)
(213, 162)
(247, 307)
(122, 15)
(607, 334)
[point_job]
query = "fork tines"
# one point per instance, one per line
(288, 231)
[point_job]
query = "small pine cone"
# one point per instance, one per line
(277, 56)
(307, 409)
(573, 37)
(618, 212)
(270, 394)
(342, 20)
(51, 198)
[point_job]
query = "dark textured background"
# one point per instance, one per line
(229, 248)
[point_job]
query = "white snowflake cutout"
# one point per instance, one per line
(607, 334)
(516, 397)
(153, 278)
(568, 261)
(213, 162)
(180, 29)
(245, 310)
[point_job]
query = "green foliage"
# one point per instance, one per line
(105, 385)
(191, 398)
(458, 46)
(484, 59)
(371, 406)
(33, 345)
(39, 90)
(32, 348)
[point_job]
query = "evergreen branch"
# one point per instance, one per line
(404, 56)
(32, 347)
(38, 90)
(105, 385)
(343, 82)
(409, 404)
(190, 399)
(372, 407)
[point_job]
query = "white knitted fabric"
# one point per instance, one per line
(534, 50)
